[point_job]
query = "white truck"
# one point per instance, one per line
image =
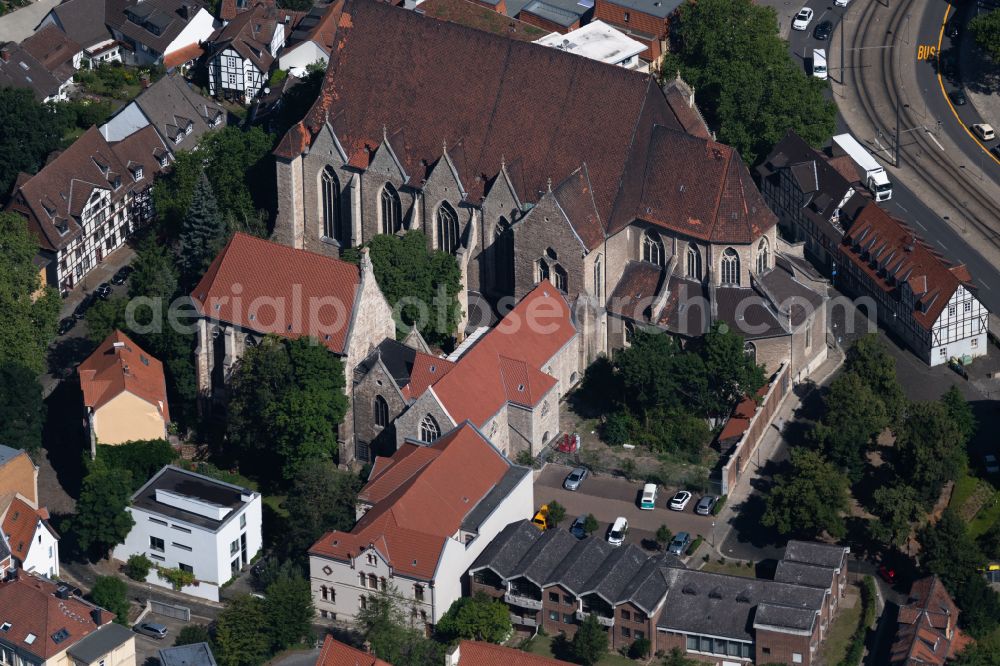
(875, 177)
(819, 64)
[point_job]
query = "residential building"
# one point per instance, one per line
(510, 384)
(240, 55)
(44, 624)
(153, 30)
(179, 114)
(335, 653)
(553, 580)
(647, 21)
(194, 523)
(82, 21)
(124, 392)
(481, 17)
(598, 41)
(927, 632)
(336, 302)
(194, 654)
(918, 295)
(18, 474)
(28, 537)
(642, 197)
(88, 199)
(463, 653)
(44, 62)
(560, 16)
(310, 42)
(424, 516)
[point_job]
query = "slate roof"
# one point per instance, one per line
(575, 197)
(497, 494)
(317, 26)
(787, 294)
(22, 70)
(118, 366)
(475, 15)
(54, 49)
(82, 21)
(751, 314)
(819, 554)
(637, 290)
(170, 105)
(100, 643)
(264, 271)
(250, 33)
(169, 16)
(803, 574)
(420, 497)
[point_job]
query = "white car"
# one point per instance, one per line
(984, 131)
(617, 531)
(680, 500)
(802, 19)
(841, 3)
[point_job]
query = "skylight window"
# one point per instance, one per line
(29, 639)
(5, 626)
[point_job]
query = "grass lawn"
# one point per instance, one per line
(276, 502)
(730, 568)
(964, 488)
(987, 516)
(542, 645)
(837, 641)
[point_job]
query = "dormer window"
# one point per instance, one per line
(117, 182)
(179, 137)
(189, 128)
(216, 120)
(137, 173)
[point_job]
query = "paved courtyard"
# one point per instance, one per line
(21, 23)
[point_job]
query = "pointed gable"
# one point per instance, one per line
(117, 366)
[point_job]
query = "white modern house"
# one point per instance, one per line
(310, 42)
(195, 523)
(424, 516)
(599, 41)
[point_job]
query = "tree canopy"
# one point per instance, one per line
(870, 361)
(241, 633)
(30, 132)
(22, 409)
(321, 498)
(140, 458)
(897, 508)
(101, 520)
(985, 28)
(930, 450)
(750, 91)
(853, 418)
(289, 609)
(590, 642)
(808, 499)
(111, 593)
(383, 624)
(477, 618)
(203, 232)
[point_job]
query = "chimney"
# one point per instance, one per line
(97, 616)
(5, 54)
(453, 655)
(185, 12)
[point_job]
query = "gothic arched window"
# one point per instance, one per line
(447, 228)
(652, 248)
(429, 430)
(598, 283)
(763, 258)
(391, 209)
(330, 194)
(543, 270)
(562, 280)
(381, 410)
(730, 267)
(693, 263)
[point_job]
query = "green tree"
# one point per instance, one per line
(590, 524)
(141, 458)
(870, 360)
(192, 633)
(897, 508)
(106, 316)
(286, 401)
(984, 652)
(985, 28)
(851, 423)
(930, 450)
(31, 132)
(154, 271)
(477, 618)
(663, 536)
(676, 657)
(421, 285)
(989, 542)
(808, 499)
(731, 373)
(29, 311)
(590, 642)
(960, 411)
(750, 90)
(101, 520)
(22, 409)
(111, 593)
(203, 233)
(241, 633)
(320, 498)
(172, 192)
(556, 514)
(288, 607)
(137, 567)
(382, 623)
(640, 648)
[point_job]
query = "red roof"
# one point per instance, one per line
(182, 55)
(119, 365)
(271, 288)
(506, 364)
(927, 626)
(426, 370)
(32, 608)
(890, 254)
(19, 525)
(476, 653)
(335, 653)
(419, 497)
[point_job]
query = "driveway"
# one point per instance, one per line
(146, 647)
(609, 497)
(21, 23)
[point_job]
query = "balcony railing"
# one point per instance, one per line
(602, 620)
(522, 601)
(523, 621)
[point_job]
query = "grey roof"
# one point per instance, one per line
(748, 313)
(494, 497)
(788, 294)
(546, 554)
(7, 454)
(551, 12)
(504, 553)
(803, 574)
(82, 21)
(195, 654)
(99, 643)
(783, 617)
(648, 587)
(4, 548)
(397, 358)
(657, 8)
(819, 554)
(189, 484)
(170, 103)
(615, 573)
(580, 564)
(22, 70)
(170, 17)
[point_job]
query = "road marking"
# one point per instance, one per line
(983, 282)
(934, 139)
(942, 245)
(940, 79)
(920, 225)
(926, 52)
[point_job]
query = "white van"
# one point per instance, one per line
(617, 531)
(649, 493)
(819, 64)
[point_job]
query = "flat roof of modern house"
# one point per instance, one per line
(598, 41)
(184, 484)
(657, 8)
(195, 654)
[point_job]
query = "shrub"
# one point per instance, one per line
(618, 428)
(856, 649)
(137, 567)
(639, 649)
(719, 506)
(177, 578)
(694, 545)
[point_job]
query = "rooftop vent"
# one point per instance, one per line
(60, 636)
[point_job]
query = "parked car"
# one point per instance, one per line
(888, 573)
(823, 30)
(122, 274)
(66, 325)
(575, 478)
(984, 131)
(802, 19)
(648, 500)
(541, 518)
(679, 501)
(705, 505)
(990, 463)
(617, 531)
(151, 629)
(84, 305)
(576, 529)
(841, 3)
(103, 291)
(996, 151)
(680, 544)
(958, 98)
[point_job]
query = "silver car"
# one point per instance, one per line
(575, 478)
(151, 629)
(705, 505)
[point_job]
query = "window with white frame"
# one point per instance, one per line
(652, 247)
(730, 267)
(391, 209)
(693, 263)
(429, 429)
(447, 228)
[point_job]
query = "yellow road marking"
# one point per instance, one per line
(951, 106)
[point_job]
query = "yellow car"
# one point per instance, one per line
(541, 518)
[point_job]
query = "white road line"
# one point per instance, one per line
(902, 208)
(942, 245)
(918, 223)
(983, 282)
(936, 143)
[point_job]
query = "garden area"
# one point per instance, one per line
(114, 80)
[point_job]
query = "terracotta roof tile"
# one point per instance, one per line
(636, 292)
(335, 653)
(476, 653)
(473, 15)
(426, 370)
(263, 273)
(118, 365)
(54, 49)
(183, 55)
(19, 525)
(927, 626)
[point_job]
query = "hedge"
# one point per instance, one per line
(856, 650)
(719, 505)
(694, 546)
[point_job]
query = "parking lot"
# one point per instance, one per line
(608, 497)
(146, 647)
